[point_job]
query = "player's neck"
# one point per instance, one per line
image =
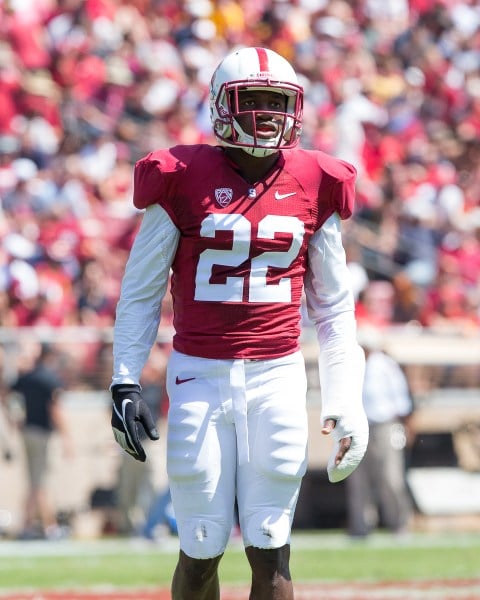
(251, 168)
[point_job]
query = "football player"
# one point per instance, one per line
(245, 227)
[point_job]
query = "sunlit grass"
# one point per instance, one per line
(315, 557)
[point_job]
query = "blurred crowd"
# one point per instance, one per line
(89, 86)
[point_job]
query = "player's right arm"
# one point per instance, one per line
(144, 285)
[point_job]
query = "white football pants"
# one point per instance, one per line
(236, 429)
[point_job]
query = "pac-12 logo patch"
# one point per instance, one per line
(223, 196)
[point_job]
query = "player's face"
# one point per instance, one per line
(256, 110)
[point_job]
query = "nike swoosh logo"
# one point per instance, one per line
(121, 415)
(125, 402)
(179, 381)
(279, 196)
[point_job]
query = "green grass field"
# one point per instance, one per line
(315, 557)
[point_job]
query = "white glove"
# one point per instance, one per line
(355, 426)
(342, 402)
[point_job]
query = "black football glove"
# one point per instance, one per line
(129, 409)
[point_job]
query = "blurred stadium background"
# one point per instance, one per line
(89, 86)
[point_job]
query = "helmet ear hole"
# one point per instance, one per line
(255, 69)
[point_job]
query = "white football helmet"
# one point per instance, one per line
(255, 69)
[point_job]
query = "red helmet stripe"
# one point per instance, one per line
(262, 59)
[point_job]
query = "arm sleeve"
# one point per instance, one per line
(331, 307)
(144, 285)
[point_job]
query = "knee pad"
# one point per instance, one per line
(267, 529)
(201, 538)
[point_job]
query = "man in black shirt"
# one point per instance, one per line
(39, 389)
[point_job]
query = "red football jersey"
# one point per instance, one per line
(237, 276)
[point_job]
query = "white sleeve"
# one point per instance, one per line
(144, 285)
(331, 307)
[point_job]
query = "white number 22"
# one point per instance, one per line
(232, 289)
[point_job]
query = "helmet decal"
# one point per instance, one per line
(262, 59)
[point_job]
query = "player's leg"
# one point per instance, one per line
(201, 463)
(271, 578)
(196, 579)
(268, 485)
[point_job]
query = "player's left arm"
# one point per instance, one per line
(331, 307)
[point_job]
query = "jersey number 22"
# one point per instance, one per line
(238, 253)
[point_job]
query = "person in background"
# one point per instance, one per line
(39, 390)
(245, 226)
(5, 443)
(377, 492)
